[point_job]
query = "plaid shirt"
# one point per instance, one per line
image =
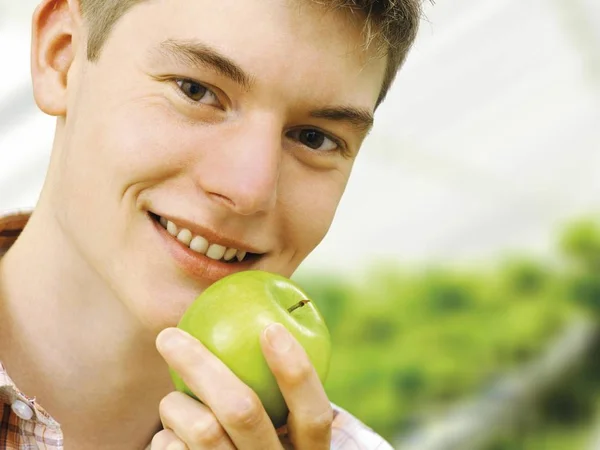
(25, 425)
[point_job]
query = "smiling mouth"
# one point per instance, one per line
(200, 245)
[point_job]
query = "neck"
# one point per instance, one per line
(68, 341)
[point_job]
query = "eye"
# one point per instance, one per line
(314, 139)
(197, 92)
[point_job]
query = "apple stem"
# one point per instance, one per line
(300, 304)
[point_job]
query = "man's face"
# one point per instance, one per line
(238, 121)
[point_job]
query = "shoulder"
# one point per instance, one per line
(349, 433)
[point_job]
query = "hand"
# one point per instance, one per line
(231, 415)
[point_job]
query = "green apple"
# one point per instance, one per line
(229, 317)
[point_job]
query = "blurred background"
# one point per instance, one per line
(461, 277)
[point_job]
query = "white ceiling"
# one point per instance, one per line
(487, 143)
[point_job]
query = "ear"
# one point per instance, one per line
(55, 30)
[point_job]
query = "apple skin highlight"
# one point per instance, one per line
(229, 317)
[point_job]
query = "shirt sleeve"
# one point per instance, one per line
(349, 433)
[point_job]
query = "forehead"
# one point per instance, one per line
(284, 44)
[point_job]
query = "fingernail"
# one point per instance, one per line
(278, 337)
(177, 446)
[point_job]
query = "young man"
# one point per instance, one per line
(194, 139)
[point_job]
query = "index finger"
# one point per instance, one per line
(236, 407)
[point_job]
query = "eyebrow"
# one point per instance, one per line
(201, 55)
(360, 118)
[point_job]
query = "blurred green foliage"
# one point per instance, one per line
(408, 344)
(581, 245)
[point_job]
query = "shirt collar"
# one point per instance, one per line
(11, 226)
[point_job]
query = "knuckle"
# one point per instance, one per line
(320, 425)
(207, 431)
(247, 414)
(298, 373)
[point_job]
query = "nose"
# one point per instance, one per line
(240, 166)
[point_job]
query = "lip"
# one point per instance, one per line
(211, 236)
(196, 265)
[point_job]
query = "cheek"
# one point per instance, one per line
(136, 144)
(310, 204)
(143, 145)
(125, 132)
(112, 152)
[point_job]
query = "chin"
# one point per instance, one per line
(160, 308)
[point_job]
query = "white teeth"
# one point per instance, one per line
(230, 254)
(216, 251)
(185, 236)
(199, 245)
(172, 229)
